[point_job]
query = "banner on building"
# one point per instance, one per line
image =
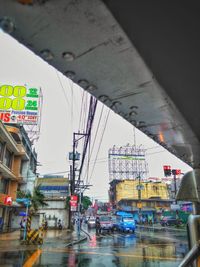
(128, 157)
(19, 104)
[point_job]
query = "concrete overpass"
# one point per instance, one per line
(139, 57)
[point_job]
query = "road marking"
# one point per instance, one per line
(33, 258)
(115, 254)
(132, 256)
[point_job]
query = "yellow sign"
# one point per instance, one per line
(19, 104)
(139, 205)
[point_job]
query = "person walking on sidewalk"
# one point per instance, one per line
(97, 225)
(23, 223)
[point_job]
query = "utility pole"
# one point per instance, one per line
(81, 188)
(70, 213)
(74, 156)
(139, 188)
(175, 189)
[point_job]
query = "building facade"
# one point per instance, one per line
(16, 156)
(147, 199)
(56, 190)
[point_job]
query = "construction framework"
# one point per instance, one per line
(127, 162)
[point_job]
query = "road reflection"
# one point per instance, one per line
(113, 250)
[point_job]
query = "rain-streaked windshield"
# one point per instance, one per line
(128, 219)
(105, 219)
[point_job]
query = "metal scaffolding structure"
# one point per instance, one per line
(127, 162)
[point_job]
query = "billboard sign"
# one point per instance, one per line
(128, 157)
(74, 198)
(73, 208)
(74, 202)
(19, 104)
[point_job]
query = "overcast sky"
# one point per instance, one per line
(60, 118)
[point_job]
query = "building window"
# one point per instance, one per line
(1, 150)
(4, 186)
(21, 166)
(7, 158)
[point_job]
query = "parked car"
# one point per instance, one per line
(105, 224)
(170, 220)
(91, 222)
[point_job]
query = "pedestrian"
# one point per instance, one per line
(45, 225)
(97, 225)
(59, 224)
(23, 223)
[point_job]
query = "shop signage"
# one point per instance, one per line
(175, 207)
(74, 198)
(5, 200)
(19, 104)
(25, 201)
(140, 187)
(139, 205)
(73, 202)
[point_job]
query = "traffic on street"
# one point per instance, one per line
(145, 247)
(99, 133)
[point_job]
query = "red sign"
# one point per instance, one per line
(5, 199)
(74, 202)
(74, 198)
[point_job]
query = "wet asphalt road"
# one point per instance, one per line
(142, 249)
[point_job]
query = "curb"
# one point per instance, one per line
(76, 241)
(159, 228)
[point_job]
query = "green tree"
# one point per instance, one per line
(86, 202)
(37, 198)
(67, 203)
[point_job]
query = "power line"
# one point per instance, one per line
(65, 95)
(100, 144)
(91, 114)
(156, 152)
(81, 111)
(96, 134)
(153, 147)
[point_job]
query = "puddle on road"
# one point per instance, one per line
(15, 258)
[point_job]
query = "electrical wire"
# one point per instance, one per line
(63, 89)
(85, 113)
(88, 163)
(147, 154)
(90, 120)
(72, 107)
(81, 111)
(100, 144)
(94, 141)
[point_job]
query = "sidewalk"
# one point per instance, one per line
(158, 227)
(52, 238)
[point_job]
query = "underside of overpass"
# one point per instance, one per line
(139, 57)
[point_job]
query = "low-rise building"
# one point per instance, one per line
(142, 198)
(56, 190)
